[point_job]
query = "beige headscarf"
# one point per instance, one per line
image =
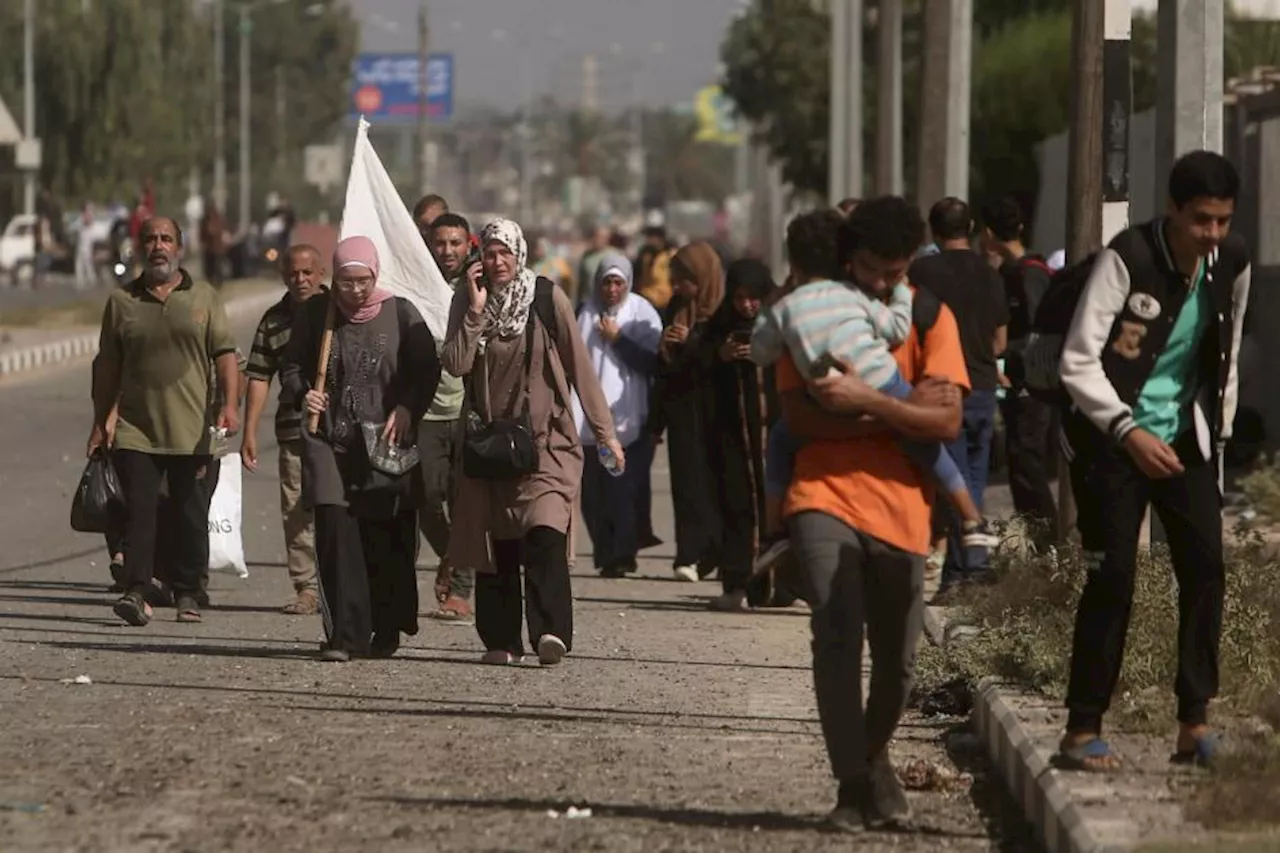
(700, 263)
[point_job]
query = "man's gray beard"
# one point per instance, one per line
(159, 274)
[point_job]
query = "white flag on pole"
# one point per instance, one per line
(374, 209)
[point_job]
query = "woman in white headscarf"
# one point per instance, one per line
(622, 332)
(514, 339)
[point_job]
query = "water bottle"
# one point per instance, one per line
(609, 461)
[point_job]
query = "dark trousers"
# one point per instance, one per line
(644, 503)
(609, 504)
(1028, 424)
(186, 524)
(738, 514)
(1114, 498)
(972, 452)
(170, 531)
(436, 446)
(367, 581)
(854, 581)
(547, 598)
(693, 491)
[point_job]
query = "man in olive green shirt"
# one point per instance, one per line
(158, 336)
(449, 239)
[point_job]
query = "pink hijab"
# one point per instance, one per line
(360, 252)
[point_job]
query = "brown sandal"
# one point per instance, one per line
(306, 604)
(452, 609)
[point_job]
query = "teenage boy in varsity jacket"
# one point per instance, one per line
(1149, 363)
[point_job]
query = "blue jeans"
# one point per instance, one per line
(972, 452)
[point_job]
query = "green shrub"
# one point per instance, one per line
(1026, 621)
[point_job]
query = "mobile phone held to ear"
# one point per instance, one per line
(825, 365)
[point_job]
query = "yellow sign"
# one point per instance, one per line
(717, 122)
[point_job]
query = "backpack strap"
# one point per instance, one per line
(925, 308)
(544, 306)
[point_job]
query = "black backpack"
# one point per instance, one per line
(1038, 364)
(544, 306)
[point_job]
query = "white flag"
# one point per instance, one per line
(374, 209)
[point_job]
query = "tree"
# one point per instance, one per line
(776, 72)
(125, 91)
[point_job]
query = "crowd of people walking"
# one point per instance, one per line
(808, 425)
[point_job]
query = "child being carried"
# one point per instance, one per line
(824, 323)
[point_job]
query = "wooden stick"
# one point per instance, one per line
(322, 369)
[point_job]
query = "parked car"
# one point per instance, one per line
(18, 249)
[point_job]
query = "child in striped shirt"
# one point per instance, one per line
(824, 322)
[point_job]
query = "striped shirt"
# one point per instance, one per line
(832, 318)
(269, 344)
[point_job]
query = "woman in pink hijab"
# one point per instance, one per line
(360, 466)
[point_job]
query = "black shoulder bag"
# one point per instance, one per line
(503, 448)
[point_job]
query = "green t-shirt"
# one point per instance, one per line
(162, 351)
(1163, 407)
(447, 404)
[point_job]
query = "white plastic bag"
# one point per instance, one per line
(226, 544)
(375, 210)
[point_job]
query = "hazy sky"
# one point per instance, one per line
(553, 36)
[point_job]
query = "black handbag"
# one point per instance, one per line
(503, 448)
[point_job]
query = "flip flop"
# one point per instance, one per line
(1203, 755)
(1087, 757)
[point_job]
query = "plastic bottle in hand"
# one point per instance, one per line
(609, 461)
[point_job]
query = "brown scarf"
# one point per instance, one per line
(700, 263)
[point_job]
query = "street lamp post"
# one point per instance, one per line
(29, 99)
(219, 109)
(245, 177)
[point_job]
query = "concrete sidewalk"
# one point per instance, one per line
(28, 348)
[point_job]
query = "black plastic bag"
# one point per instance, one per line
(98, 498)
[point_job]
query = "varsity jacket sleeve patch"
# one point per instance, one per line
(1082, 373)
(1231, 393)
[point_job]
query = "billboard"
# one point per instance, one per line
(384, 87)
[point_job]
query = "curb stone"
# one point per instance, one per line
(86, 344)
(1043, 800)
(1031, 780)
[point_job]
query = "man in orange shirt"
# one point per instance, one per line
(858, 511)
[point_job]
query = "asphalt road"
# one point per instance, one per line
(678, 728)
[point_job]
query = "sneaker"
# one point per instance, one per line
(771, 556)
(977, 534)
(729, 602)
(331, 655)
(888, 800)
(500, 657)
(307, 603)
(689, 574)
(551, 650)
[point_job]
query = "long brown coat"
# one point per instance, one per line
(485, 510)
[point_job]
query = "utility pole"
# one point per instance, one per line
(420, 134)
(526, 138)
(219, 108)
(1189, 83)
(1084, 176)
(29, 99)
(889, 98)
(943, 166)
(837, 176)
(590, 86)
(246, 176)
(846, 161)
